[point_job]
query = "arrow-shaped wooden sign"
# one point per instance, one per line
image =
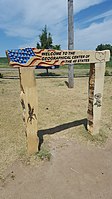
(30, 57)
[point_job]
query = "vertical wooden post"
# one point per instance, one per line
(96, 83)
(70, 42)
(91, 98)
(28, 98)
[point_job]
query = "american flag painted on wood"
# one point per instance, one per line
(29, 57)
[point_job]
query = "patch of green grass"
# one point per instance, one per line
(60, 84)
(107, 73)
(44, 154)
(109, 64)
(4, 62)
(98, 139)
(77, 66)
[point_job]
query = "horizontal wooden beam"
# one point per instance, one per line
(30, 57)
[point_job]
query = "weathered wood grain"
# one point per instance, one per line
(70, 42)
(96, 83)
(91, 97)
(29, 104)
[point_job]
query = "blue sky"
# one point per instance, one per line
(21, 22)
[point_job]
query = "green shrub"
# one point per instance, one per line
(1, 75)
(44, 154)
(107, 73)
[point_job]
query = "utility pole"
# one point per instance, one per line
(70, 42)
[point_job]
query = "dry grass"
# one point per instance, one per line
(59, 109)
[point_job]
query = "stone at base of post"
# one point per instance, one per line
(96, 83)
(29, 104)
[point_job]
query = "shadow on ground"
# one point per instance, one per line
(48, 74)
(58, 129)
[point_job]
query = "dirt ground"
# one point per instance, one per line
(80, 165)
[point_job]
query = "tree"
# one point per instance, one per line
(46, 42)
(104, 47)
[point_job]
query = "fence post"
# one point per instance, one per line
(96, 83)
(29, 104)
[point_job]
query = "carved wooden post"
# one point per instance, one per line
(96, 83)
(29, 104)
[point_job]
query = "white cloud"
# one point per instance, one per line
(85, 39)
(26, 18)
(34, 14)
(107, 14)
(90, 37)
(81, 5)
(24, 32)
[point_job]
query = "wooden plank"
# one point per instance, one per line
(34, 57)
(29, 104)
(96, 83)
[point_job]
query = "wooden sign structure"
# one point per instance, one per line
(26, 59)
